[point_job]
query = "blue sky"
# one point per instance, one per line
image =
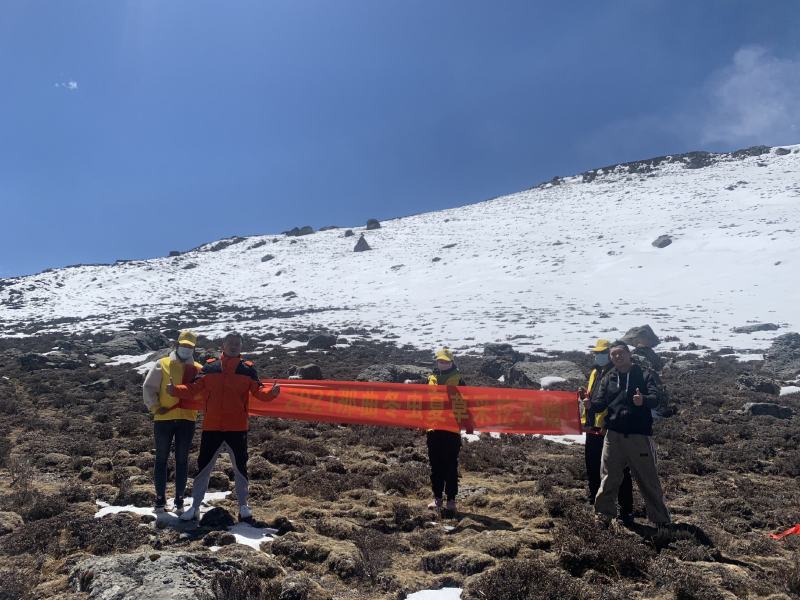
(130, 129)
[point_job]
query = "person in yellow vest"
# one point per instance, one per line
(444, 446)
(169, 422)
(593, 424)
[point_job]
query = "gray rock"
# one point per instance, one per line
(783, 357)
(373, 224)
(267, 257)
(133, 343)
(782, 151)
(662, 241)
(323, 341)
(495, 366)
(53, 360)
(646, 357)
(362, 245)
(767, 408)
(217, 518)
(393, 373)
(503, 351)
(309, 371)
(149, 575)
(530, 374)
(349, 233)
(757, 383)
(754, 328)
(298, 231)
(642, 335)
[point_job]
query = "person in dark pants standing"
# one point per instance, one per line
(170, 422)
(595, 433)
(444, 446)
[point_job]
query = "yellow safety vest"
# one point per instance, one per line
(452, 379)
(173, 369)
(598, 417)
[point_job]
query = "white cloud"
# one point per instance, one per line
(753, 100)
(70, 85)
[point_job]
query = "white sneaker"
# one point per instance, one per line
(189, 514)
(245, 513)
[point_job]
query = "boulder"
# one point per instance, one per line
(505, 351)
(783, 357)
(349, 233)
(769, 409)
(782, 151)
(646, 357)
(309, 371)
(133, 343)
(148, 575)
(532, 374)
(53, 360)
(323, 341)
(757, 327)
(217, 518)
(662, 241)
(373, 224)
(641, 336)
(495, 366)
(298, 231)
(267, 257)
(393, 373)
(361, 244)
(757, 383)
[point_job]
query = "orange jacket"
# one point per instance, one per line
(225, 386)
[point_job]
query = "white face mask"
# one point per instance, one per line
(184, 353)
(601, 360)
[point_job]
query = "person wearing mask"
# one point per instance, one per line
(444, 446)
(592, 423)
(224, 385)
(171, 423)
(628, 392)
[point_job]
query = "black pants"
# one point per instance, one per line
(443, 449)
(182, 431)
(594, 454)
(212, 443)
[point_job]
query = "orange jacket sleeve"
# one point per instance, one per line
(190, 390)
(262, 392)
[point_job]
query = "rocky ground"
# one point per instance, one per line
(348, 503)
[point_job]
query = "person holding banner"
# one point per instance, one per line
(171, 422)
(225, 384)
(592, 423)
(444, 446)
(628, 392)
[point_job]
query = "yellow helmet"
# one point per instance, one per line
(444, 354)
(187, 338)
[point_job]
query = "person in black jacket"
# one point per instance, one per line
(628, 392)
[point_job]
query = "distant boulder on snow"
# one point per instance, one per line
(361, 244)
(298, 231)
(643, 335)
(349, 233)
(373, 224)
(662, 241)
(757, 327)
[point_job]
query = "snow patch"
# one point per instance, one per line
(442, 594)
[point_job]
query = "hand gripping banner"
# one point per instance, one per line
(420, 406)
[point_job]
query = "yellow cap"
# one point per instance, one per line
(444, 354)
(600, 345)
(187, 338)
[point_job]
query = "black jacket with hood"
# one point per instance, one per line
(616, 394)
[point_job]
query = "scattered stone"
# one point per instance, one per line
(309, 371)
(361, 244)
(189, 265)
(530, 374)
(373, 224)
(217, 518)
(782, 151)
(349, 233)
(505, 351)
(267, 258)
(783, 357)
(54, 360)
(298, 231)
(767, 408)
(757, 383)
(328, 227)
(662, 241)
(219, 538)
(642, 336)
(322, 341)
(754, 328)
(174, 252)
(103, 465)
(393, 373)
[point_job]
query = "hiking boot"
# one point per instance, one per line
(245, 513)
(436, 504)
(160, 504)
(190, 514)
(178, 506)
(450, 506)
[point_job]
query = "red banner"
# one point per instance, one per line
(416, 406)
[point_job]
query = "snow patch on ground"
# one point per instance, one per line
(789, 389)
(442, 594)
(546, 382)
(128, 359)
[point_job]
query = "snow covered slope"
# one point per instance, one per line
(552, 267)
